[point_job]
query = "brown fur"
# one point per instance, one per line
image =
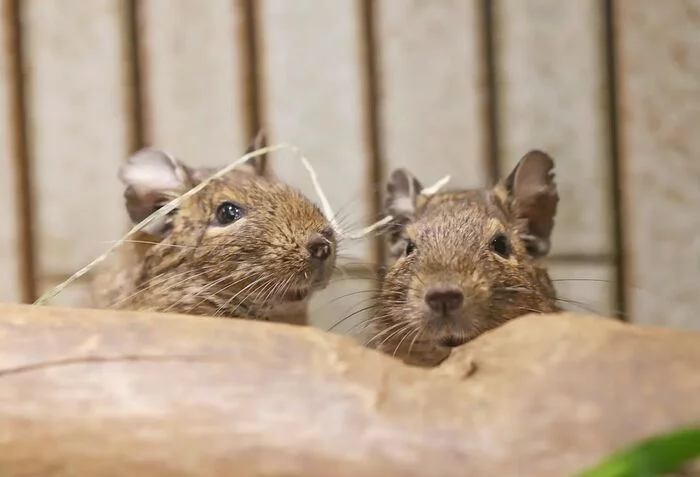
(257, 267)
(452, 233)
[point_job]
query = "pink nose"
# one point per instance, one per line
(444, 299)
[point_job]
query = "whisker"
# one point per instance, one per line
(342, 320)
(281, 288)
(366, 323)
(254, 291)
(255, 288)
(351, 294)
(386, 330)
(419, 332)
(157, 281)
(212, 296)
(222, 308)
(274, 290)
(582, 305)
(582, 280)
(287, 285)
(408, 333)
(370, 321)
(162, 244)
(341, 279)
(197, 293)
(397, 333)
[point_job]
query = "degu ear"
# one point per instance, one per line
(254, 165)
(402, 192)
(153, 178)
(532, 194)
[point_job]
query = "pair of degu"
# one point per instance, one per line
(250, 246)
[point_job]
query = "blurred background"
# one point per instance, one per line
(611, 89)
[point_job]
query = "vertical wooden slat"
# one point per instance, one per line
(134, 75)
(252, 69)
(489, 54)
(314, 100)
(10, 267)
(553, 100)
(552, 97)
(659, 84)
(432, 91)
(621, 291)
(78, 121)
(16, 257)
(194, 82)
(372, 82)
(17, 281)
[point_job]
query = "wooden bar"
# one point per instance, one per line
(134, 73)
(116, 393)
(551, 95)
(249, 49)
(372, 88)
(19, 281)
(313, 99)
(194, 79)
(658, 48)
(432, 97)
(10, 290)
(79, 127)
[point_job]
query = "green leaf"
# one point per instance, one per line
(652, 457)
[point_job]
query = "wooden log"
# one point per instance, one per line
(88, 393)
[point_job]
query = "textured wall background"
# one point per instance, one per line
(610, 88)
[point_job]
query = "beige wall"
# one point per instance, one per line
(314, 86)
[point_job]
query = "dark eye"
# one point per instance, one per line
(410, 247)
(228, 213)
(499, 244)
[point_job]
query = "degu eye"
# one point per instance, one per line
(499, 244)
(228, 213)
(410, 247)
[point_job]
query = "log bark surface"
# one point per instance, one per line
(105, 393)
